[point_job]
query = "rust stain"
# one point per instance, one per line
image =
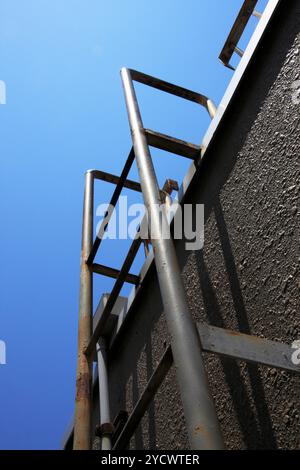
(233, 333)
(200, 430)
(83, 386)
(237, 333)
(256, 339)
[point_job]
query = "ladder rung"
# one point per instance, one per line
(168, 87)
(114, 273)
(213, 340)
(171, 144)
(246, 347)
(109, 178)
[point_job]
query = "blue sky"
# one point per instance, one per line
(64, 114)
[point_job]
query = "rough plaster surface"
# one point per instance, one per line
(246, 277)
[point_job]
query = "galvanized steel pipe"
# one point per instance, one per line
(103, 392)
(199, 410)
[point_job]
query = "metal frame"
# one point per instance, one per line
(200, 415)
(87, 344)
(172, 89)
(188, 339)
(231, 45)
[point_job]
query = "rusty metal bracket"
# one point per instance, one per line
(105, 429)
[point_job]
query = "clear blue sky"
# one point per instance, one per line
(65, 114)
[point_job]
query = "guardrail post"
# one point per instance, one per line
(83, 400)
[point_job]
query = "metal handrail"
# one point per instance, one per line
(231, 44)
(176, 90)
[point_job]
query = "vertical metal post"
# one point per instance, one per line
(83, 400)
(103, 395)
(200, 415)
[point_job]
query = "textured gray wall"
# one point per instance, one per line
(247, 276)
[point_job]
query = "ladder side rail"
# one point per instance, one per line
(201, 419)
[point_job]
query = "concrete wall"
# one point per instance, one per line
(247, 276)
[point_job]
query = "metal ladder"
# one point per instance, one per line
(188, 339)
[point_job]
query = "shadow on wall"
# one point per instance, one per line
(151, 432)
(257, 433)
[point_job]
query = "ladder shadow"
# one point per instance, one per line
(151, 409)
(138, 434)
(256, 427)
(150, 413)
